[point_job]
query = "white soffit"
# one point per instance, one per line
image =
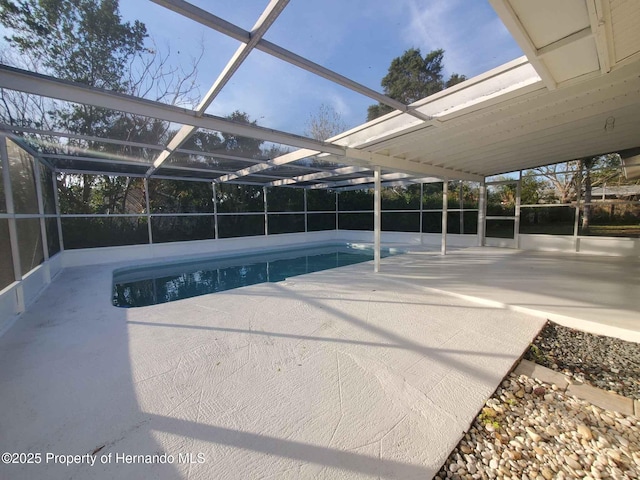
(572, 40)
(625, 22)
(583, 56)
(547, 21)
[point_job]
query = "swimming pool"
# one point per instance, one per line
(162, 283)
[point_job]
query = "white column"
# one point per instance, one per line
(516, 226)
(421, 214)
(306, 221)
(43, 229)
(576, 220)
(337, 224)
(13, 233)
(482, 213)
(56, 198)
(266, 216)
(461, 195)
(43, 233)
(148, 203)
(215, 210)
(443, 241)
(377, 219)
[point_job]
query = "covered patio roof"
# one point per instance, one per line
(575, 94)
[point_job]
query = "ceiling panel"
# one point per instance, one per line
(625, 24)
(583, 56)
(547, 21)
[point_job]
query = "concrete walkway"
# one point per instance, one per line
(336, 374)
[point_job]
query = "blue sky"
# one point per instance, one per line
(356, 38)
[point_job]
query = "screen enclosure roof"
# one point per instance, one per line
(575, 93)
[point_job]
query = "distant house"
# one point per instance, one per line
(617, 192)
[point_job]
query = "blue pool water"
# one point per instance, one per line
(151, 285)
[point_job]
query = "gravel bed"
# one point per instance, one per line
(604, 362)
(531, 430)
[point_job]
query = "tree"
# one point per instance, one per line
(83, 41)
(563, 181)
(412, 77)
(608, 168)
(244, 146)
(325, 124)
(562, 177)
(86, 41)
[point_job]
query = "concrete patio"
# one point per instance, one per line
(320, 376)
(595, 293)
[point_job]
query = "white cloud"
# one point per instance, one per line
(339, 105)
(472, 36)
(431, 28)
(356, 38)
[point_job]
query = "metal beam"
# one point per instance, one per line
(222, 156)
(320, 175)
(362, 180)
(209, 20)
(599, 26)
(205, 18)
(269, 15)
(76, 171)
(112, 161)
(413, 168)
(121, 161)
(267, 18)
(88, 138)
(391, 183)
(211, 170)
(519, 32)
(34, 83)
(183, 168)
(277, 161)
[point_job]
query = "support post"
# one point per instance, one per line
(56, 198)
(421, 208)
(337, 224)
(306, 222)
(266, 215)
(482, 213)
(13, 232)
(445, 194)
(461, 198)
(516, 227)
(377, 220)
(215, 211)
(43, 228)
(40, 200)
(576, 220)
(148, 203)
